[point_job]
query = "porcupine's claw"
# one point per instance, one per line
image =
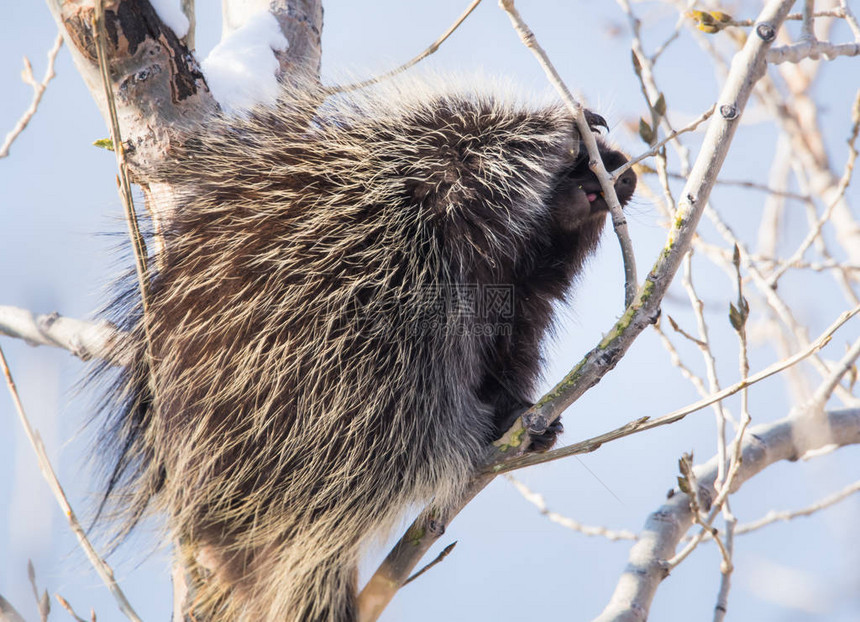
(595, 121)
(545, 440)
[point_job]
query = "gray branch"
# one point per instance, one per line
(157, 83)
(763, 445)
(86, 340)
(811, 49)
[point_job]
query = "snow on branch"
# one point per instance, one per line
(300, 23)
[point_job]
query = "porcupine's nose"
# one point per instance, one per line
(625, 185)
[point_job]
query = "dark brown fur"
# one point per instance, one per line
(346, 313)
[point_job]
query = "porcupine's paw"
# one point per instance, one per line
(540, 442)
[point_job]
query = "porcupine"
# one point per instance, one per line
(348, 309)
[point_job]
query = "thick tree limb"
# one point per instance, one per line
(763, 446)
(157, 83)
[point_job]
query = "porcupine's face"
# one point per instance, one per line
(578, 198)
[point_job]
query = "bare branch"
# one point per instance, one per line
(619, 222)
(441, 556)
(773, 517)
(825, 390)
(657, 147)
(764, 445)
(748, 68)
(646, 423)
(65, 605)
(137, 243)
(811, 49)
(431, 49)
(849, 17)
(38, 91)
(538, 501)
(104, 571)
(85, 340)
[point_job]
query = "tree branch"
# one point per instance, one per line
(811, 49)
(85, 340)
(157, 82)
(431, 49)
(763, 446)
(104, 571)
(38, 91)
(595, 163)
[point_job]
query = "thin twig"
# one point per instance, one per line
(704, 343)
(646, 423)
(538, 501)
(773, 516)
(43, 601)
(774, 301)
(137, 242)
(718, 253)
(822, 394)
(430, 50)
(726, 473)
(65, 605)
(849, 17)
(619, 222)
(657, 147)
(726, 568)
(844, 181)
(38, 91)
(676, 32)
(438, 559)
(749, 184)
(675, 358)
(103, 570)
(795, 17)
(682, 332)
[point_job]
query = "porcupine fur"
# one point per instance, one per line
(317, 362)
